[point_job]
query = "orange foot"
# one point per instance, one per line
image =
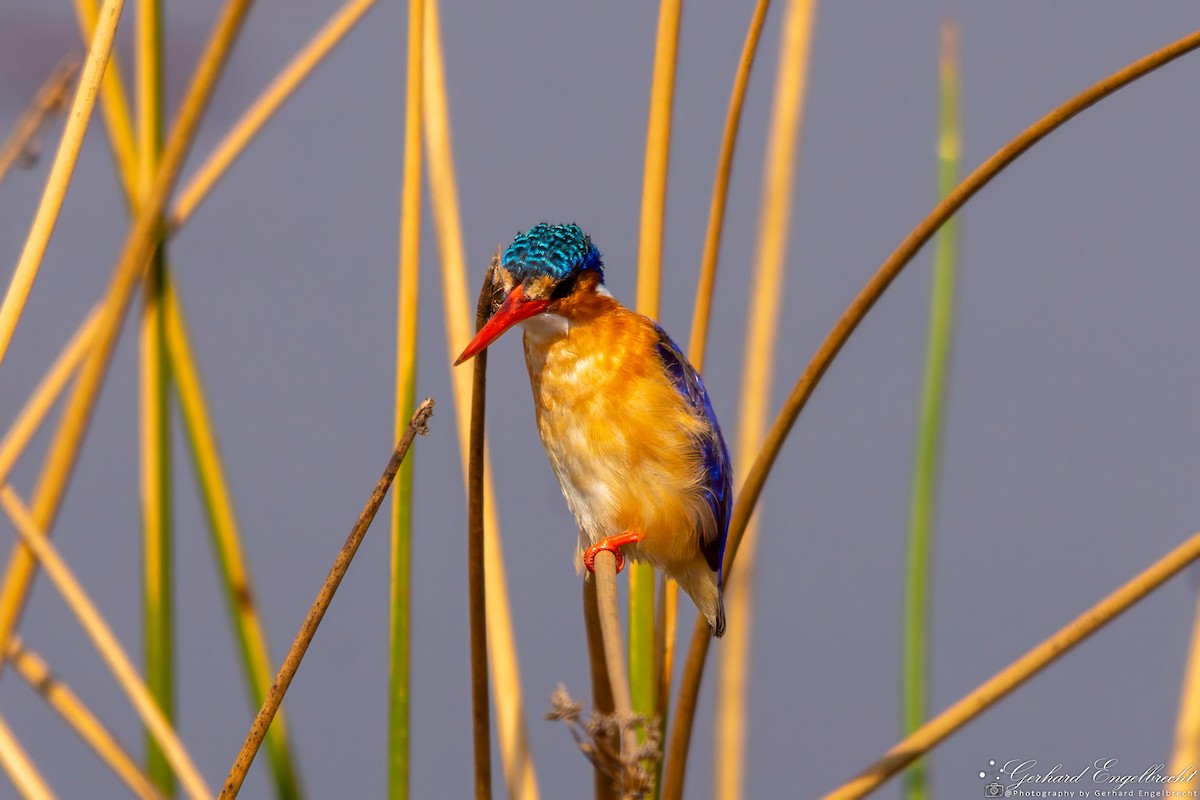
(612, 544)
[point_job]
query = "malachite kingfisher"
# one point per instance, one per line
(625, 419)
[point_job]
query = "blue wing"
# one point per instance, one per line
(711, 448)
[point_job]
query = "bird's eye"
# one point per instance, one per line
(564, 287)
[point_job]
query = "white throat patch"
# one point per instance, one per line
(546, 327)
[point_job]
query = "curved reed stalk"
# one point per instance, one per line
(20, 768)
(998, 686)
(35, 672)
(837, 337)
(92, 622)
(762, 327)
(139, 244)
(519, 774)
(341, 563)
(702, 312)
(59, 179)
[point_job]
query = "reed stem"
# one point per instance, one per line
(59, 179)
(643, 653)
(930, 422)
(762, 329)
(406, 388)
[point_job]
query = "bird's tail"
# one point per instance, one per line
(703, 586)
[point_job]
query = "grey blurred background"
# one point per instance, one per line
(1072, 442)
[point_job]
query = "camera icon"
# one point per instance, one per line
(993, 790)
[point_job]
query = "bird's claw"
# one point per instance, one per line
(612, 544)
(589, 556)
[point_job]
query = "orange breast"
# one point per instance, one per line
(619, 436)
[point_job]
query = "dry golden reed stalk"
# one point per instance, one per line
(60, 174)
(762, 326)
(20, 768)
(999, 685)
(34, 538)
(36, 672)
(646, 645)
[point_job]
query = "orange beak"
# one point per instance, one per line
(516, 307)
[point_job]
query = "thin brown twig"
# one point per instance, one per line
(750, 491)
(476, 565)
(258, 729)
(51, 99)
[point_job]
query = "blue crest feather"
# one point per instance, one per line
(554, 250)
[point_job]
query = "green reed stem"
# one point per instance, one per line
(930, 424)
(157, 579)
(232, 567)
(406, 377)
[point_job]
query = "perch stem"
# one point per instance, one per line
(614, 655)
(602, 696)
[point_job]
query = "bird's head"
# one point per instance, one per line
(543, 270)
